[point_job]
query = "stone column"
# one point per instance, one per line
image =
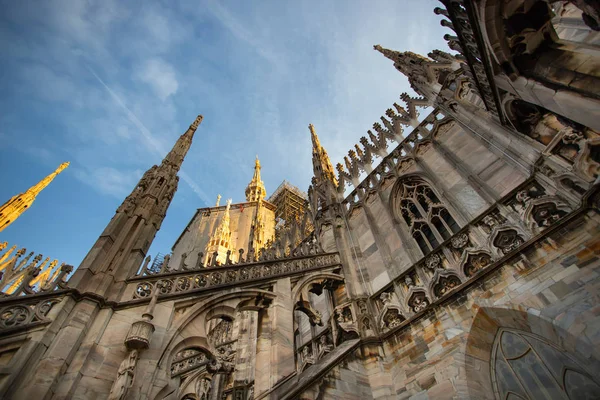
(276, 324)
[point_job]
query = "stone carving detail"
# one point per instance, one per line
(508, 241)
(445, 284)
(139, 335)
(187, 360)
(325, 345)
(203, 388)
(392, 318)
(306, 356)
(221, 333)
(344, 315)
(230, 275)
(222, 362)
(433, 262)
(467, 44)
(125, 376)
(18, 315)
(476, 263)
(459, 241)
(418, 301)
(385, 298)
(546, 214)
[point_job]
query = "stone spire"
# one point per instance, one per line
(122, 247)
(17, 205)
(423, 73)
(322, 168)
(256, 188)
(220, 242)
(178, 152)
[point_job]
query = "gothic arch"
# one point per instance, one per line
(419, 207)
(544, 211)
(234, 298)
(417, 299)
(177, 339)
(442, 282)
(312, 278)
(473, 261)
(503, 239)
(390, 317)
(483, 336)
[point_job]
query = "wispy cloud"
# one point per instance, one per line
(111, 85)
(160, 75)
(110, 181)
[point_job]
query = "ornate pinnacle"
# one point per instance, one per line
(392, 55)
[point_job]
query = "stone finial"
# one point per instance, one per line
(218, 200)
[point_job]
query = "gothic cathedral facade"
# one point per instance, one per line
(450, 257)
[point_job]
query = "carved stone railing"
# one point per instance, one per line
(20, 276)
(399, 160)
(361, 160)
(292, 242)
(233, 275)
(18, 313)
(494, 236)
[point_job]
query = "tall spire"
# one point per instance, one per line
(121, 248)
(181, 147)
(255, 190)
(322, 168)
(13, 208)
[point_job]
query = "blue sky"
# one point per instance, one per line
(110, 86)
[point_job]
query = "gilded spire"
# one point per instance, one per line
(322, 167)
(255, 190)
(13, 208)
(220, 242)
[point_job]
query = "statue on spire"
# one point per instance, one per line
(255, 190)
(17, 205)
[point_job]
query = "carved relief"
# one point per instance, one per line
(24, 314)
(433, 262)
(445, 284)
(418, 301)
(392, 318)
(546, 214)
(231, 275)
(459, 241)
(125, 376)
(189, 359)
(476, 262)
(508, 241)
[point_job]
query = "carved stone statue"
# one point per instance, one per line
(182, 264)
(125, 376)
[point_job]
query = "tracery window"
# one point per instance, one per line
(526, 366)
(428, 219)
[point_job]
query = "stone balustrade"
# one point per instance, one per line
(213, 277)
(488, 241)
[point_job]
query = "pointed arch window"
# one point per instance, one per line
(526, 366)
(427, 217)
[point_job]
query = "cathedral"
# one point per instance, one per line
(452, 255)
